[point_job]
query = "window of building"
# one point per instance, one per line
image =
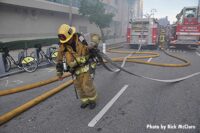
(190, 12)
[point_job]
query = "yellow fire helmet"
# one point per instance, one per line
(162, 31)
(65, 33)
(95, 38)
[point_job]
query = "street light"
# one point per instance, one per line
(153, 11)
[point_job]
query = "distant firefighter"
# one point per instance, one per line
(162, 39)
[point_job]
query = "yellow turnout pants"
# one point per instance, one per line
(85, 87)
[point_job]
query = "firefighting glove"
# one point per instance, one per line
(81, 60)
(93, 52)
(59, 68)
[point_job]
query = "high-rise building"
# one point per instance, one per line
(135, 8)
(124, 11)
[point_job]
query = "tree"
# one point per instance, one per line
(94, 10)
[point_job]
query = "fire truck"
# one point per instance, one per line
(186, 31)
(143, 31)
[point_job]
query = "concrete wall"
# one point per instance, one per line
(79, 21)
(41, 4)
(22, 19)
(26, 22)
(19, 21)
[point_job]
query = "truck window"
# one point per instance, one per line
(189, 13)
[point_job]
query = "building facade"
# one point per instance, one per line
(41, 18)
(124, 11)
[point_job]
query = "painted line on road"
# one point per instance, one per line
(50, 69)
(149, 59)
(94, 121)
(198, 53)
(18, 81)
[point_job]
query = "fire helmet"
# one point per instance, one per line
(65, 33)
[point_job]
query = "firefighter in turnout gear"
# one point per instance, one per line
(75, 49)
(162, 39)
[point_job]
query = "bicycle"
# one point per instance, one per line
(51, 57)
(28, 63)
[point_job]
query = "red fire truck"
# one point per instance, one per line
(143, 31)
(186, 31)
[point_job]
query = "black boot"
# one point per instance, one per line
(84, 105)
(92, 105)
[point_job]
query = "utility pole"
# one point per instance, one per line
(70, 12)
(198, 12)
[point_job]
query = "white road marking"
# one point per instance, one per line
(94, 121)
(50, 69)
(198, 53)
(18, 81)
(149, 59)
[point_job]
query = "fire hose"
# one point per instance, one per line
(30, 86)
(128, 58)
(137, 75)
(11, 114)
(102, 58)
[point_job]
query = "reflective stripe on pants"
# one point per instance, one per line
(85, 87)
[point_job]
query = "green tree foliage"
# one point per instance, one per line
(94, 10)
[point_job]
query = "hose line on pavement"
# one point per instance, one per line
(30, 86)
(9, 115)
(130, 59)
(149, 55)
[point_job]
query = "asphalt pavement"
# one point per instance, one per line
(126, 104)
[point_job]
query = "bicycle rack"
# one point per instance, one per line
(48, 51)
(20, 55)
(2, 65)
(36, 53)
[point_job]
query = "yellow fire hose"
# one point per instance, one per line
(150, 55)
(30, 86)
(9, 115)
(120, 59)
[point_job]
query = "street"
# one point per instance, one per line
(127, 104)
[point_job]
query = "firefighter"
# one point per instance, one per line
(76, 51)
(162, 39)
